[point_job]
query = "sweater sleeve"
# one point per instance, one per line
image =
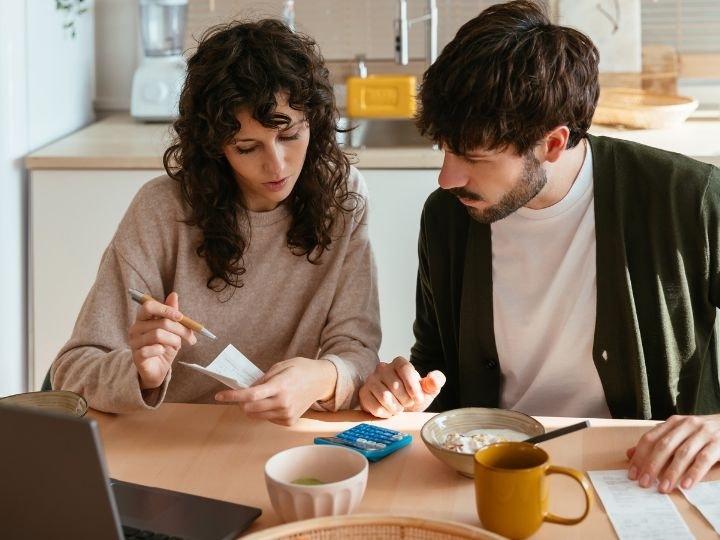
(351, 336)
(97, 361)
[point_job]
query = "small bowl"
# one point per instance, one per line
(471, 420)
(315, 480)
(61, 401)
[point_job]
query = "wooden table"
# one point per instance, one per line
(215, 451)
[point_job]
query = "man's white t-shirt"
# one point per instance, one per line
(544, 303)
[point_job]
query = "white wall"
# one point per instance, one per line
(60, 72)
(46, 89)
(13, 140)
(118, 51)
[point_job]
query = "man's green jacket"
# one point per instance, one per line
(657, 228)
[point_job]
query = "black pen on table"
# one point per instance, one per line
(187, 322)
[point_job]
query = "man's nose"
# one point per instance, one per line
(452, 173)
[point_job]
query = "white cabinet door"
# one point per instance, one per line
(396, 201)
(73, 216)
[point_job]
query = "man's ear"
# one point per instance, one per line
(555, 143)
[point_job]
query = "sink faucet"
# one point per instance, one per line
(403, 26)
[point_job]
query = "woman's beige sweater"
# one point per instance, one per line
(287, 306)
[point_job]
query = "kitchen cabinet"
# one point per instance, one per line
(396, 201)
(73, 216)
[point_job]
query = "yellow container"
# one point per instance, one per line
(384, 96)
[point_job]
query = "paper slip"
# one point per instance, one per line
(637, 513)
(230, 367)
(705, 496)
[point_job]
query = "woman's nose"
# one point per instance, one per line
(275, 160)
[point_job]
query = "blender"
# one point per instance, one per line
(158, 79)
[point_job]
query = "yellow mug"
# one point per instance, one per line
(511, 488)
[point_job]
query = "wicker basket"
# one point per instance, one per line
(635, 108)
(375, 526)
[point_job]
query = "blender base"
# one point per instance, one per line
(156, 87)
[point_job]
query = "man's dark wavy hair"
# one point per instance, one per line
(245, 65)
(507, 78)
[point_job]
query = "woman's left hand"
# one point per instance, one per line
(678, 452)
(286, 391)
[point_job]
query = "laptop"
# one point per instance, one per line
(54, 484)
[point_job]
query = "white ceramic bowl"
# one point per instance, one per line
(342, 471)
(472, 420)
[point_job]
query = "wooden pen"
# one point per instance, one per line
(187, 322)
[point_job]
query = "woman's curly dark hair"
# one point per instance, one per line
(245, 65)
(507, 78)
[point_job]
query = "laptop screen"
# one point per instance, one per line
(54, 484)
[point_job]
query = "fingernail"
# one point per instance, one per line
(219, 397)
(687, 483)
(644, 480)
(664, 486)
(632, 473)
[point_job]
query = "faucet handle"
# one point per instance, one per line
(360, 67)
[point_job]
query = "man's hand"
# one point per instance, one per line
(286, 391)
(398, 387)
(678, 452)
(155, 339)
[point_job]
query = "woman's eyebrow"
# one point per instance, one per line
(292, 124)
(280, 128)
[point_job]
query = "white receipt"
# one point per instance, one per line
(638, 513)
(705, 496)
(230, 367)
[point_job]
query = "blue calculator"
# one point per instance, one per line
(374, 442)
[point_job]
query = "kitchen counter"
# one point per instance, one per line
(119, 142)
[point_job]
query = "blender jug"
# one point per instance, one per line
(158, 79)
(162, 26)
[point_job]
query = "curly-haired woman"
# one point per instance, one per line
(259, 227)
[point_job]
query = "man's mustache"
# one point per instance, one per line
(462, 193)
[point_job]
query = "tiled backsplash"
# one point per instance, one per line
(342, 28)
(345, 29)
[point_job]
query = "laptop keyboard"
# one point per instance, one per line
(131, 533)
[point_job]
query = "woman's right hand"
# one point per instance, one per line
(398, 387)
(155, 339)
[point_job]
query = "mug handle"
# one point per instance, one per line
(581, 479)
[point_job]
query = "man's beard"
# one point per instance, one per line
(533, 179)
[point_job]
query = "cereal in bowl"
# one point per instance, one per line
(469, 443)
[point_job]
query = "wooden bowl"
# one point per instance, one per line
(61, 401)
(634, 108)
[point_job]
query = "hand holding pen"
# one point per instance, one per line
(156, 336)
(187, 322)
